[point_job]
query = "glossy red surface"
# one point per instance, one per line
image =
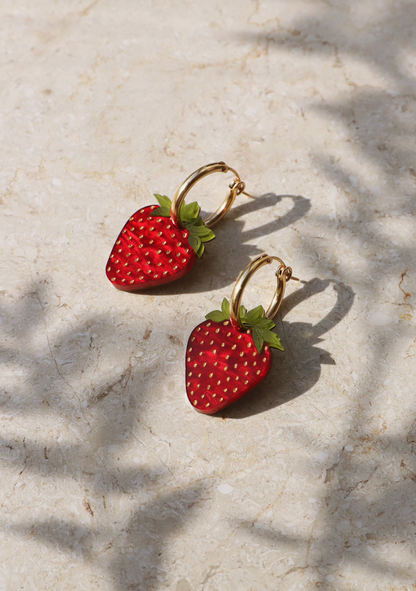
(222, 364)
(149, 251)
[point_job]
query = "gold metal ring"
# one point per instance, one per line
(283, 275)
(236, 187)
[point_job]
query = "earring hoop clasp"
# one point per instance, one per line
(283, 274)
(236, 187)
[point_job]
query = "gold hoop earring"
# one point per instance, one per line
(160, 243)
(229, 354)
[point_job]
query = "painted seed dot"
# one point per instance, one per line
(163, 243)
(118, 271)
(195, 364)
(179, 244)
(128, 254)
(171, 260)
(258, 371)
(108, 268)
(242, 353)
(149, 271)
(159, 251)
(184, 260)
(246, 374)
(168, 226)
(141, 277)
(222, 344)
(214, 351)
(207, 333)
(200, 353)
(221, 399)
(225, 389)
(113, 279)
(198, 385)
(266, 348)
(202, 395)
(212, 342)
(254, 354)
(124, 231)
(245, 363)
(228, 379)
(226, 323)
(198, 329)
(112, 256)
(209, 324)
(128, 272)
(204, 365)
(132, 229)
(210, 375)
(217, 331)
(140, 245)
(186, 249)
(150, 241)
(193, 338)
(195, 403)
(227, 356)
(225, 367)
(199, 375)
(159, 219)
(228, 334)
(146, 253)
(172, 235)
(235, 389)
(214, 395)
(119, 250)
(235, 366)
(192, 392)
(234, 347)
(208, 387)
(141, 236)
(159, 264)
(165, 273)
(190, 349)
(118, 241)
(175, 267)
(130, 245)
(207, 405)
(189, 359)
(152, 228)
(160, 234)
(123, 280)
(131, 219)
(237, 378)
(129, 237)
(246, 382)
(219, 382)
(125, 264)
(132, 281)
(255, 363)
(216, 363)
(117, 261)
(264, 359)
(249, 345)
(202, 342)
(240, 337)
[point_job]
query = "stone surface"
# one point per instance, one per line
(110, 481)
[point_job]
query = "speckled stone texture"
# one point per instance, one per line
(110, 481)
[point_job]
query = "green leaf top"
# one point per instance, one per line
(190, 219)
(255, 319)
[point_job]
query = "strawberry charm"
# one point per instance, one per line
(230, 353)
(160, 243)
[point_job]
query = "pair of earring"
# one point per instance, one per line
(229, 353)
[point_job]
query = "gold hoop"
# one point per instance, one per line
(236, 187)
(283, 275)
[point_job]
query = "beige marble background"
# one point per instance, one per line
(109, 479)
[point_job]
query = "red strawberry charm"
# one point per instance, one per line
(151, 249)
(223, 361)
